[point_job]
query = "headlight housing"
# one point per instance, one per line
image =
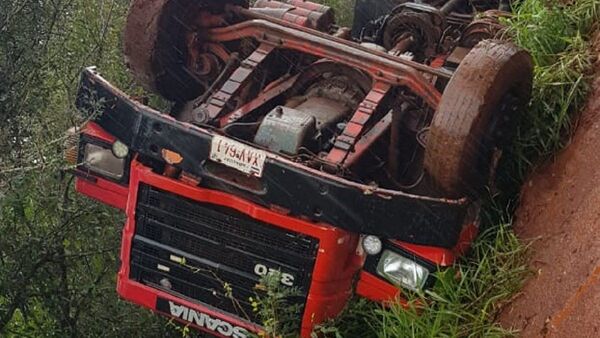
(402, 271)
(103, 162)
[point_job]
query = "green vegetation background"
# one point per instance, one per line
(59, 251)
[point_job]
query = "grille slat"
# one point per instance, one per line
(198, 274)
(196, 269)
(206, 248)
(221, 237)
(227, 220)
(220, 245)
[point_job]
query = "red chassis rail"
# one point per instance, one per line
(338, 261)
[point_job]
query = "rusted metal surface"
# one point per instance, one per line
(417, 49)
(397, 134)
(419, 46)
(384, 68)
(282, 46)
(275, 89)
(307, 14)
(487, 26)
(408, 26)
(227, 97)
(321, 39)
(344, 143)
(367, 140)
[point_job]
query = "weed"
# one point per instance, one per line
(557, 37)
(275, 308)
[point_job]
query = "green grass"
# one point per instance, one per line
(557, 37)
(344, 10)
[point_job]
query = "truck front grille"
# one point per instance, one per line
(209, 254)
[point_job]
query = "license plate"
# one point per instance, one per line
(237, 155)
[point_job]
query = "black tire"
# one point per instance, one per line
(478, 107)
(155, 48)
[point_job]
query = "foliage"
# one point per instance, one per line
(557, 36)
(272, 306)
(58, 251)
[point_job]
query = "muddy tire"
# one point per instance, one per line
(476, 114)
(155, 47)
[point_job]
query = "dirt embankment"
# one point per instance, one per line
(560, 211)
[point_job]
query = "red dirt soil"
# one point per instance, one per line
(560, 212)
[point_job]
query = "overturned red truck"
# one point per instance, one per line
(349, 161)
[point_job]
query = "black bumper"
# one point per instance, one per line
(304, 192)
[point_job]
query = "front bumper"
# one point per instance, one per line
(286, 185)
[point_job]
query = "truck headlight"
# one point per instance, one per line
(402, 271)
(103, 162)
